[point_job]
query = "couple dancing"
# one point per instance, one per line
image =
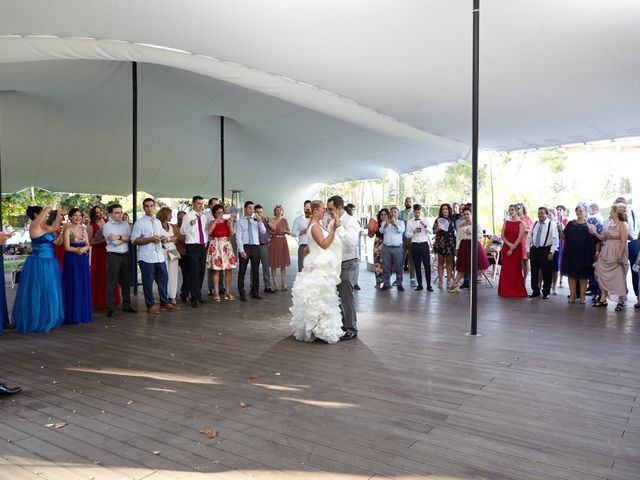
(319, 309)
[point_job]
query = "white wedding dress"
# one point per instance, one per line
(316, 306)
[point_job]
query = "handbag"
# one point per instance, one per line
(174, 254)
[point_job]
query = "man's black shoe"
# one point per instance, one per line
(545, 296)
(534, 295)
(348, 336)
(110, 313)
(356, 287)
(400, 288)
(194, 303)
(256, 296)
(429, 288)
(417, 289)
(4, 390)
(243, 297)
(130, 310)
(269, 290)
(202, 300)
(465, 285)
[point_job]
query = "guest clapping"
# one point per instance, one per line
(75, 279)
(220, 255)
(278, 247)
(171, 255)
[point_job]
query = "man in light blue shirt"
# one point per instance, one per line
(117, 234)
(248, 229)
(147, 236)
(392, 254)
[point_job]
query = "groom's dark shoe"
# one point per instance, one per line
(4, 390)
(348, 336)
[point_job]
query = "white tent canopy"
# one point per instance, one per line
(313, 91)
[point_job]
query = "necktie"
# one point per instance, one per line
(539, 235)
(251, 240)
(200, 234)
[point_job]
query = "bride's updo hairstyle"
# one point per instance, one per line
(315, 205)
(33, 211)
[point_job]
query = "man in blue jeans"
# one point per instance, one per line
(147, 236)
(392, 253)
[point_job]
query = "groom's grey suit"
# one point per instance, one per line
(349, 233)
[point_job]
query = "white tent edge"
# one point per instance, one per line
(33, 48)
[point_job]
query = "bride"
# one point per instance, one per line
(316, 307)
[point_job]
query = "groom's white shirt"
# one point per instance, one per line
(348, 232)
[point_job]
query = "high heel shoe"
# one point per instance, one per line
(453, 288)
(619, 307)
(572, 300)
(228, 296)
(439, 282)
(216, 298)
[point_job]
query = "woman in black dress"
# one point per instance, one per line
(579, 253)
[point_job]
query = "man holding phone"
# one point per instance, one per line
(418, 233)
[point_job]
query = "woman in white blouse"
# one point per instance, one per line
(463, 251)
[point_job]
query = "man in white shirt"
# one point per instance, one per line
(194, 228)
(418, 232)
(299, 231)
(632, 244)
(248, 230)
(406, 215)
(148, 237)
(542, 243)
(348, 230)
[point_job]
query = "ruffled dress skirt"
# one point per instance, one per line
(316, 306)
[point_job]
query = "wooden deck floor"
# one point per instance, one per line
(550, 391)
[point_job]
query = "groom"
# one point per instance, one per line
(348, 231)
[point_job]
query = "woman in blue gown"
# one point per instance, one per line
(75, 277)
(38, 306)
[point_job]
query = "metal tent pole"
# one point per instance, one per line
(473, 307)
(134, 165)
(222, 159)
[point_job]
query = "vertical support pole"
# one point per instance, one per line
(222, 159)
(4, 314)
(134, 165)
(473, 307)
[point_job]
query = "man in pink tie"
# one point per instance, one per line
(193, 227)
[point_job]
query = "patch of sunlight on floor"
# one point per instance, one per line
(166, 376)
(281, 388)
(318, 403)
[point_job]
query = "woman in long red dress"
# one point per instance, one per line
(99, 260)
(511, 280)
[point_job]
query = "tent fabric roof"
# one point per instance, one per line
(314, 91)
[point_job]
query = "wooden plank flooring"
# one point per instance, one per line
(549, 391)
